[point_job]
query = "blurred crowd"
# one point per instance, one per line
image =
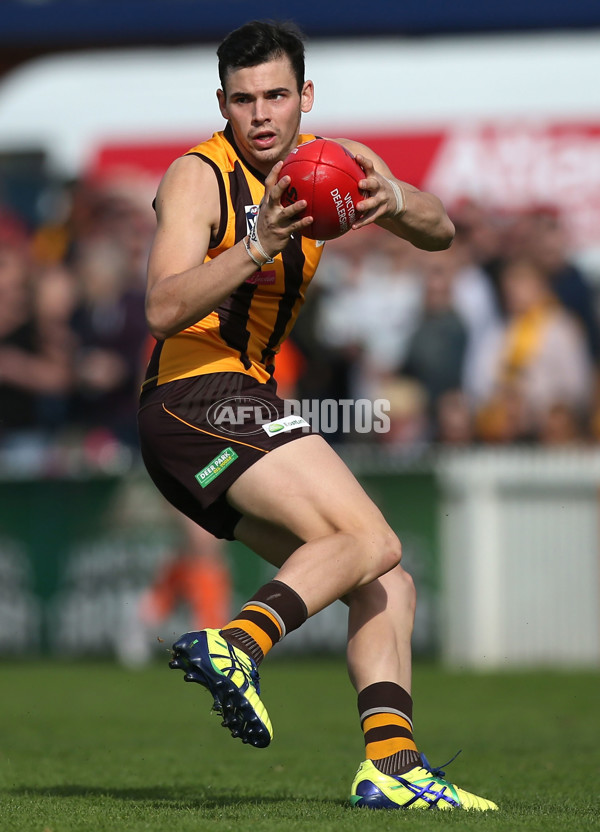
(496, 340)
(72, 331)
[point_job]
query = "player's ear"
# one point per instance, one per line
(222, 104)
(307, 97)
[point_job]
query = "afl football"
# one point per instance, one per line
(326, 175)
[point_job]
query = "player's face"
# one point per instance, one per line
(264, 107)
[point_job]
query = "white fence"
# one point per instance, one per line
(520, 558)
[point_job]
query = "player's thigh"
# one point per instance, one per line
(307, 489)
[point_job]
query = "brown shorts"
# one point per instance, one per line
(198, 435)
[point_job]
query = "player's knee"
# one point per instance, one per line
(387, 551)
(393, 549)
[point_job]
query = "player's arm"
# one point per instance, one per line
(182, 288)
(414, 215)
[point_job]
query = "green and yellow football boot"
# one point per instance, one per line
(232, 678)
(420, 788)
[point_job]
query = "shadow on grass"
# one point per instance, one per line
(189, 797)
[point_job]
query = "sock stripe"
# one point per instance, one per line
(261, 620)
(276, 609)
(384, 710)
(386, 732)
(263, 609)
(385, 748)
(255, 632)
(377, 720)
(385, 696)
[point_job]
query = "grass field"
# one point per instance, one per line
(96, 747)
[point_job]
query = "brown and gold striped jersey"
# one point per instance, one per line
(246, 331)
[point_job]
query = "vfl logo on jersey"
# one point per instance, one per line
(260, 277)
(251, 215)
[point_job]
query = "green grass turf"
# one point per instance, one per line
(93, 746)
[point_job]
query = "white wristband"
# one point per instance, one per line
(249, 252)
(256, 243)
(400, 197)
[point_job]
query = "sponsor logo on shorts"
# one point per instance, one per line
(240, 415)
(286, 424)
(216, 467)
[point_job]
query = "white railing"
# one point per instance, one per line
(520, 557)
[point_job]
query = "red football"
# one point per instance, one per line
(326, 175)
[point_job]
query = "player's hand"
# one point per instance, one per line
(276, 223)
(381, 199)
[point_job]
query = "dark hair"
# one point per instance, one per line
(258, 42)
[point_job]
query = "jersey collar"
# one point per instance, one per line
(228, 133)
